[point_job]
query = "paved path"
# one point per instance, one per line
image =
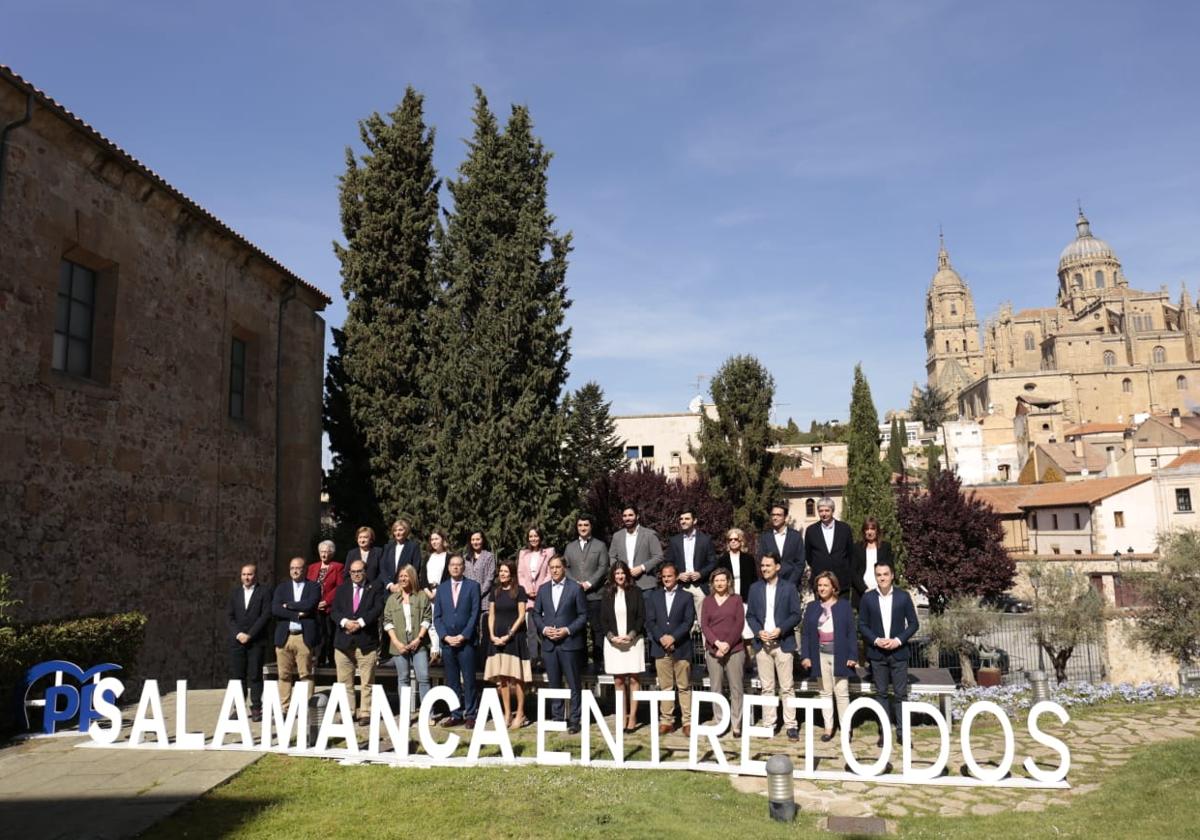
(50, 789)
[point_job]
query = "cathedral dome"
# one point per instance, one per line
(946, 276)
(1085, 248)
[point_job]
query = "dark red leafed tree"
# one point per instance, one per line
(955, 543)
(659, 499)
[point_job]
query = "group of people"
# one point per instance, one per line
(808, 594)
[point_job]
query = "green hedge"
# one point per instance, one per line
(84, 641)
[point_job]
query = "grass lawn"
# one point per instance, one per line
(1155, 795)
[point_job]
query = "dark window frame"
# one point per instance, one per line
(75, 320)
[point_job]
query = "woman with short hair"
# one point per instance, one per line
(721, 622)
(328, 574)
(829, 646)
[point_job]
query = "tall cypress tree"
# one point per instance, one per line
(348, 482)
(389, 206)
(733, 452)
(895, 450)
(502, 350)
(590, 446)
(869, 487)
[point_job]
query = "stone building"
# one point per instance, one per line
(1104, 352)
(160, 392)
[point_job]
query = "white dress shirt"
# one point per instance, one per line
(689, 552)
(780, 539)
(631, 545)
(435, 568)
(556, 593)
(769, 618)
(869, 574)
(827, 533)
(735, 563)
(885, 612)
(670, 596)
(297, 594)
(247, 593)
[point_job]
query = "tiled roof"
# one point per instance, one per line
(801, 478)
(1094, 429)
(1094, 457)
(99, 139)
(1009, 500)
(1187, 459)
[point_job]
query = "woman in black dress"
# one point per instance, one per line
(508, 652)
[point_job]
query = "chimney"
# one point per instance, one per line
(1078, 446)
(1176, 420)
(818, 464)
(1112, 469)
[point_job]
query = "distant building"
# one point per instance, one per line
(1104, 352)
(662, 441)
(804, 486)
(160, 393)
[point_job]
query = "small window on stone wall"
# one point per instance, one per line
(74, 319)
(1160, 355)
(237, 380)
(1127, 386)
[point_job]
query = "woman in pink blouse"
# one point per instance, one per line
(533, 569)
(721, 620)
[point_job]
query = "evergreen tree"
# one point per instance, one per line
(376, 417)
(590, 446)
(348, 482)
(869, 487)
(895, 450)
(733, 452)
(954, 543)
(933, 463)
(930, 406)
(502, 351)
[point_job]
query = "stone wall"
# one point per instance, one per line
(134, 488)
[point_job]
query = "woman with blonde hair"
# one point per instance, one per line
(408, 623)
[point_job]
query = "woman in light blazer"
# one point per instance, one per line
(408, 624)
(533, 569)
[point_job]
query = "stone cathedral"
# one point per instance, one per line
(1102, 353)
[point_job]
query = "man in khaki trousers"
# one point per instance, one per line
(297, 634)
(773, 611)
(670, 614)
(357, 606)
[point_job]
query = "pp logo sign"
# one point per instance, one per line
(70, 693)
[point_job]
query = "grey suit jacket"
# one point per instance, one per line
(590, 565)
(648, 552)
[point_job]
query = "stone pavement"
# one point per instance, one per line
(1099, 741)
(50, 789)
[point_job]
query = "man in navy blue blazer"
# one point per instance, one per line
(456, 619)
(560, 616)
(787, 543)
(670, 614)
(297, 634)
(773, 611)
(402, 550)
(887, 619)
(694, 557)
(247, 615)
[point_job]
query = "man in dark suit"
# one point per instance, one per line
(670, 614)
(887, 619)
(248, 612)
(400, 551)
(639, 548)
(357, 605)
(773, 611)
(827, 544)
(787, 543)
(587, 565)
(456, 619)
(297, 634)
(560, 615)
(692, 552)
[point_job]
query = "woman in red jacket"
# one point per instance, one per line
(328, 573)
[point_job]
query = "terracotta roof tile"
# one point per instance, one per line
(801, 478)
(1010, 500)
(1095, 429)
(62, 112)
(1094, 457)
(1186, 459)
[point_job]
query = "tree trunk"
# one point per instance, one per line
(968, 672)
(1060, 663)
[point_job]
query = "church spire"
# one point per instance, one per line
(1082, 226)
(943, 254)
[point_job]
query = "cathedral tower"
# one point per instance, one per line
(953, 359)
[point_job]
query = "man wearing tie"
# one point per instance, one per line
(670, 614)
(357, 605)
(887, 619)
(587, 562)
(787, 543)
(456, 619)
(560, 615)
(827, 544)
(297, 633)
(640, 549)
(249, 609)
(773, 612)
(694, 557)
(400, 551)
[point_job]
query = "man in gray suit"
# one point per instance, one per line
(587, 565)
(639, 547)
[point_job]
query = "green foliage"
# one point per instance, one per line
(7, 604)
(1067, 611)
(376, 411)
(495, 381)
(958, 628)
(1169, 619)
(933, 463)
(788, 435)
(84, 641)
(869, 488)
(895, 450)
(930, 406)
(590, 444)
(733, 452)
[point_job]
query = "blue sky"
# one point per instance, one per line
(762, 178)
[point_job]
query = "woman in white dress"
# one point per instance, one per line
(433, 571)
(623, 618)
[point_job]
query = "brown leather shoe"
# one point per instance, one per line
(687, 730)
(664, 729)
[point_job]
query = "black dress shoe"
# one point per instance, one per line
(573, 729)
(879, 741)
(827, 738)
(256, 714)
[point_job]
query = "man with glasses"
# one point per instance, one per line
(357, 605)
(297, 634)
